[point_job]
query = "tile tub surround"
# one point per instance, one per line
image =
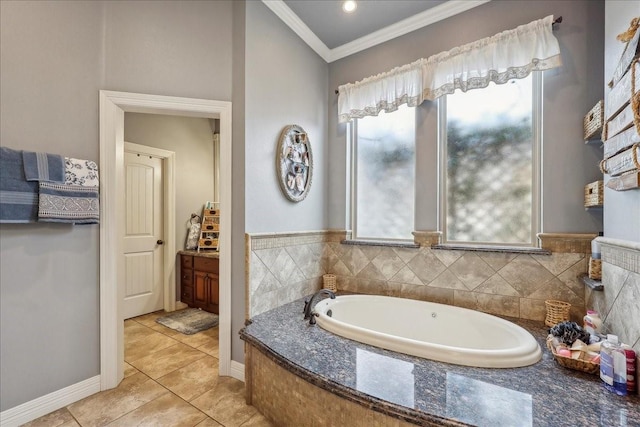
(422, 391)
(282, 267)
(619, 302)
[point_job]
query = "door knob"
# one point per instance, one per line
(160, 242)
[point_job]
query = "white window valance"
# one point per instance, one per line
(500, 58)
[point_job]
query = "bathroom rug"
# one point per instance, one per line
(189, 321)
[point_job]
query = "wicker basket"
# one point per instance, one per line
(593, 121)
(595, 269)
(575, 364)
(329, 282)
(594, 194)
(557, 311)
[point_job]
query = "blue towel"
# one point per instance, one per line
(68, 203)
(43, 167)
(18, 197)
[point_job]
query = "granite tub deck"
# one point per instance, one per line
(427, 392)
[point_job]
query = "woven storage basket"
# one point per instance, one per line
(208, 243)
(329, 282)
(595, 269)
(593, 121)
(557, 311)
(576, 364)
(594, 194)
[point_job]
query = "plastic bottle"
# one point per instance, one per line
(624, 370)
(595, 247)
(607, 350)
(592, 322)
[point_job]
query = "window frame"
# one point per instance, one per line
(352, 152)
(536, 175)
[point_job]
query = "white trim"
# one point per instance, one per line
(237, 370)
(352, 137)
(112, 108)
(536, 151)
(289, 17)
(169, 223)
(48, 403)
(422, 19)
(216, 169)
(111, 265)
(415, 22)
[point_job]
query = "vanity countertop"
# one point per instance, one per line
(425, 391)
(207, 253)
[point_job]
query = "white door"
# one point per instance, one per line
(143, 239)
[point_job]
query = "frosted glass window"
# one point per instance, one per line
(384, 165)
(490, 149)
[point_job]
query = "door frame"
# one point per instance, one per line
(168, 218)
(113, 105)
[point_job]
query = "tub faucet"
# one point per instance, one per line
(308, 305)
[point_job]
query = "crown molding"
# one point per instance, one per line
(300, 28)
(422, 19)
(430, 16)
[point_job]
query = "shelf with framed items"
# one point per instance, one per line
(621, 121)
(593, 126)
(210, 229)
(594, 191)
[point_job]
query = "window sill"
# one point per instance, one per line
(498, 249)
(385, 243)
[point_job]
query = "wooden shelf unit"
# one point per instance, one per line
(210, 228)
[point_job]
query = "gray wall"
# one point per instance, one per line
(621, 208)
(172, 48)
(278, 80)
(286, 83)
(49, 307)
(190, 138)
(238, 180)
(56, 56)
(569, 92)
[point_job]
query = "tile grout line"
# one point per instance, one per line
(164, 387)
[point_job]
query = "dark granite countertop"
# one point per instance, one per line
(428, 392)
(206, 253)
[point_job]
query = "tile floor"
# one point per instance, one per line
(170, 379)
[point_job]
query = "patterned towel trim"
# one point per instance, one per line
(68, 203)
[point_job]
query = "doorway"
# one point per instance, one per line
(113, 105)
(149, 245)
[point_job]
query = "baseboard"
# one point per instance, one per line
(237, 370)
(51, 402)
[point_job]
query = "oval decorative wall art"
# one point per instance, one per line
(294, 162)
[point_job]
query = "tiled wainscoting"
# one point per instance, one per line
(283, 267)
(619, 303)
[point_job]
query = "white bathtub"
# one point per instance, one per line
(430, 330)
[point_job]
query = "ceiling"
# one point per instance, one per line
(335, 27)
(334, 34)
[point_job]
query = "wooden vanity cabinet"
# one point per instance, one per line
(186, 279)
(199, 282)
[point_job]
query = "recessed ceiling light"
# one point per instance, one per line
(349, 6)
